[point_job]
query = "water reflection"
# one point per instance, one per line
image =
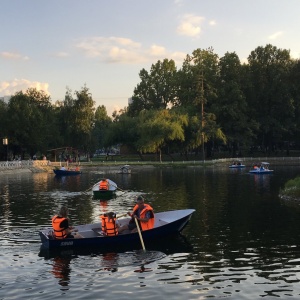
(61, 270)
(241, 242)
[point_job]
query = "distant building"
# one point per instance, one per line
(5, 98)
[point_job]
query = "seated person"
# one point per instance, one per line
(61, 227)
(110, 224)
(143, 213)
(104, 184)
(63, 168)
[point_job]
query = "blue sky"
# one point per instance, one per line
(52, 45)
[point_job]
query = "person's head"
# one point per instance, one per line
(63, 212)
(111, 215)
(140, 200)
(103, 179)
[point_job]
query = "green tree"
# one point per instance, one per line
(102, 122)
(231, 107)
(82, 119)
(158, 127)
(271, 94)
(157, 88)
(29, 123)
(197, 91)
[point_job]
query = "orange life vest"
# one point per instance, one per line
(103, 185)
(109, 226)
(150, 223)
(59, 233)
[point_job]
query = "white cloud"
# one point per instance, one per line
(212, 23)
(122, 50)
(11, 87)
(275, 35)
(190, 25)
(13, 56)
(61, 54)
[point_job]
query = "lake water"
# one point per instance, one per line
(241, 243)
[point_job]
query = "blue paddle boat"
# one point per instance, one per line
(262, 168)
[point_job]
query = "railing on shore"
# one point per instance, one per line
(22, 164)
(27, 164)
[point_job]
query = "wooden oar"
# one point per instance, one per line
(124, 215)
(90, 188)
(140, 234)
(117, 188)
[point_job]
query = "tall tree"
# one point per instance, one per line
(29, 127)
(102, 122)
(157, 88)
(272, 97)
(231, 107)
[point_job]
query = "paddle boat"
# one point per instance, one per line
(166, 223)
(262, 168)
(66, 172)
(125, 169)
(237, 164)
(104, 194)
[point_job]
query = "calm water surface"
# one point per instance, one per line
(241, 243)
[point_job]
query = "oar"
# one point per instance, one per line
(124, 215)
(140, 234)
(90, 188)
(117, 188)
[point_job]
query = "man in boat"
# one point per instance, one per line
(104, 185)
(143, 213)
(61, 227)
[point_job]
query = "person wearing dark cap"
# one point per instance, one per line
(143, 213)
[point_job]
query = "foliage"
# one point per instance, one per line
(210, 102)
(291, 188)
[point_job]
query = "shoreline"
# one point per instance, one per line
(220, 163)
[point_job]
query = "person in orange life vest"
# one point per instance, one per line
(61, 227)
(104, 184)
(110, 224)
(143, 213)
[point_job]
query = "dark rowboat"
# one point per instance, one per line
(166, 223)
(105, 194)
(66, 172)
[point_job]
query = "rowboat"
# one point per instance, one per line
(104, 194)
(237, 165)
(59, 172)
(262, 168)
(166, 223)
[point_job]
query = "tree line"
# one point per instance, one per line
(209, 104)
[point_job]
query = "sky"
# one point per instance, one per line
(104, 44)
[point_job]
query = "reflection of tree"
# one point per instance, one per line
(61, 270)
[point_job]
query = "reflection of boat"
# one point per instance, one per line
(104, 194)
(125, 169)
(60, 172)
(166, 223)
(262, 168)
(237, 165)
